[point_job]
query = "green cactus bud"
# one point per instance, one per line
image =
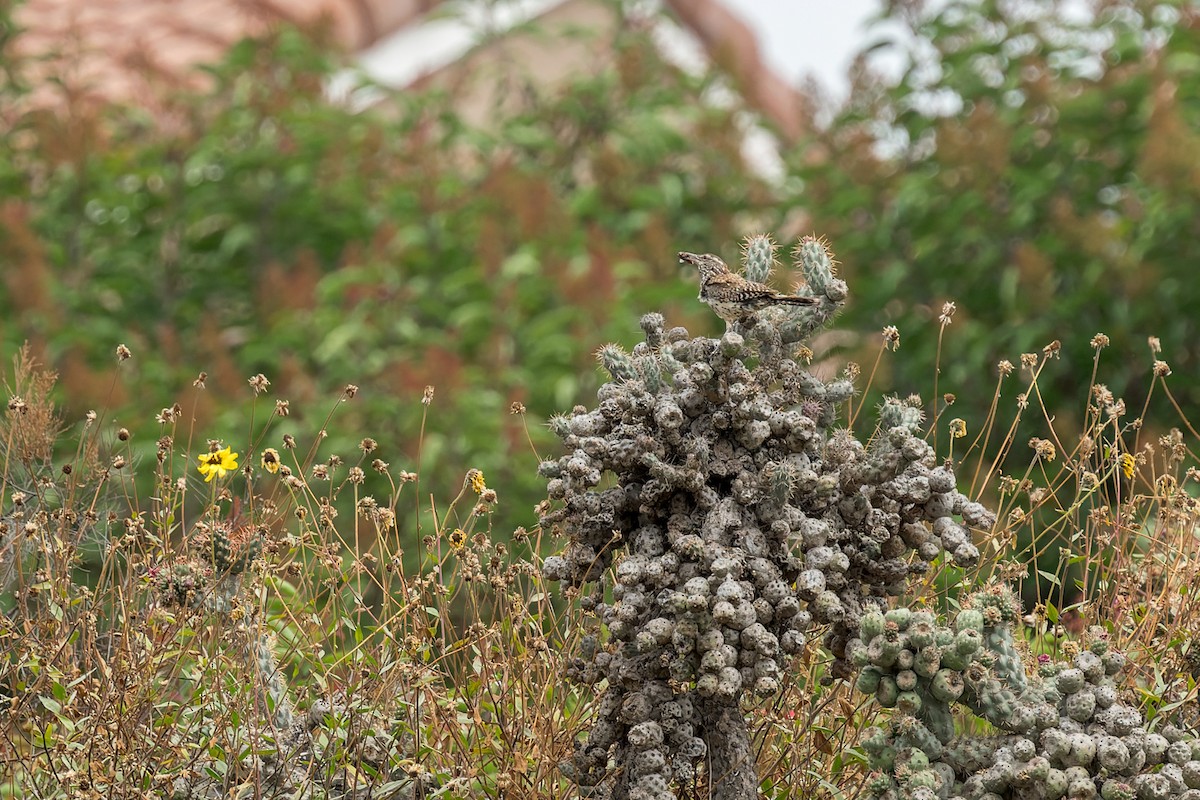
(968, 619)
(894, 413)
(758, 258)
(1055, 785)
(908, 702)
(947, 685)
(816, 262)
(651, 371)
(1117, 789)
(887, 693)
(968, 641)
(918, 761)
(617, 363)
(928, 661)
(781, 484)
(906, 679)
(868, 680)
(871, 625)
(952, 659)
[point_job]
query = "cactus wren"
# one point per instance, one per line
(730, 295)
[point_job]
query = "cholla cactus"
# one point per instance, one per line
(735, 518)
(1065, 733)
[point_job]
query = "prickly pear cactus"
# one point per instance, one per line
(715, 514)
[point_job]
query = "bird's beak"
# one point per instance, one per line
(689, 258)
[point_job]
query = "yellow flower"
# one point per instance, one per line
(958, 428)
(270, 460)
(1128, 462)
(217, 463)
(475, 478)
(458, 538)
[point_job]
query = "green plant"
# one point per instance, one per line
(1036, 167)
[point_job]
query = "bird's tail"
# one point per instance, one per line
(795, 300)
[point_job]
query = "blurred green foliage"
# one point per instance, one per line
(259, 226)
(1041, 172)
(1038, 167)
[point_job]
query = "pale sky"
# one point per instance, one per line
(798, 38)
(809, 37)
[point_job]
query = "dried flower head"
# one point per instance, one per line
(1043, 448)
(1099, 341)
(281, 408)
(475, 481)
(123, 353)
(516, 408)
(1161, 369)
(947, 314)
(200, 379)
(349, 392)
(270, 460)
(259, 383)
(427, 396)
(958, 428)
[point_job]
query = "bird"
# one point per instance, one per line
(731, 296)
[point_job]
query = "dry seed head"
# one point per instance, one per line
(200, 379)
(259, 383)
(123, 353)
(947, 314)
(1043, 448)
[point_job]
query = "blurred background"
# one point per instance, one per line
(476, 196)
